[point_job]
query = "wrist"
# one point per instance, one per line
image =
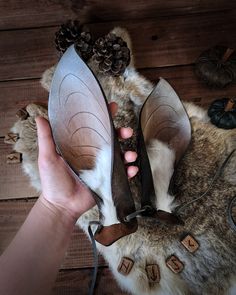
(58, 211)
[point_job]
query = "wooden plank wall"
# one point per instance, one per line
(171, 34)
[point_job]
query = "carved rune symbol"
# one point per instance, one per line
(153, 273)
(11, 138)
(174, 264)
(13, 158)
(125, 266)
(190, 244)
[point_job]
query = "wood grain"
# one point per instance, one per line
(12, 215)
(26, 53)
(74, 282)
(188, 86)
(161, 42)
(13, 183)
(26, 13)
(177, 40)
(15, 95)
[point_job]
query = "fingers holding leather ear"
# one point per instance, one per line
(130, 156)
(47, 149)
(113, 106)
(132, 171)
(125, 133)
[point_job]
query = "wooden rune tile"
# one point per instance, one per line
(190, 244)
(11, 138)
(174, 264)
(153, 273)
(13, 158)
(125, 266)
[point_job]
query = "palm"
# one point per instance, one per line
(59, 185)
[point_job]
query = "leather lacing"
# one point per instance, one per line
(95, 256)
(178, 210)
(218, 173)
(138, 213)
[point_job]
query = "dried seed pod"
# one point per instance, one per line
(217, 66)
(112, 55)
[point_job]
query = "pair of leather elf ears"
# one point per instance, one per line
(82, 126)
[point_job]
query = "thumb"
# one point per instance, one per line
(47, 148)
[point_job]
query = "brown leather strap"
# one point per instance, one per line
(167, 218)
(107, 235)
(121, 193)
(145, 175)
(160, 216)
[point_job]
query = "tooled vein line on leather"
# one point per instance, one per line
(85, 155)
(167, 127)
(83, 112)
(84, 85)
(86, 146)
(90, 129)
(155, 110)
(68, 96)
(74, 92)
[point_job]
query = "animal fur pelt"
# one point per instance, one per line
(212, 268)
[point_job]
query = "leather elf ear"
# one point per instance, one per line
(164, 118)
(82, 126)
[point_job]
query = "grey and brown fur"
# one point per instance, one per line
(212, 268)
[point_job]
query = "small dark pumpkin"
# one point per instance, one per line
(217, 66)
(223, 113)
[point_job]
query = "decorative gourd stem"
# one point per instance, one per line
(227, 54)
(230, 105)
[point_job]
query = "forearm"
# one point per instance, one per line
(30, 263)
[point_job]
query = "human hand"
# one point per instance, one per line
(60, 189)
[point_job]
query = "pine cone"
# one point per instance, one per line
(112, 55)
(72, 33)
(84, 45)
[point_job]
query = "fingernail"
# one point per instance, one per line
(132, 171)
(129, 129)
(130, 156)
(128, 132)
